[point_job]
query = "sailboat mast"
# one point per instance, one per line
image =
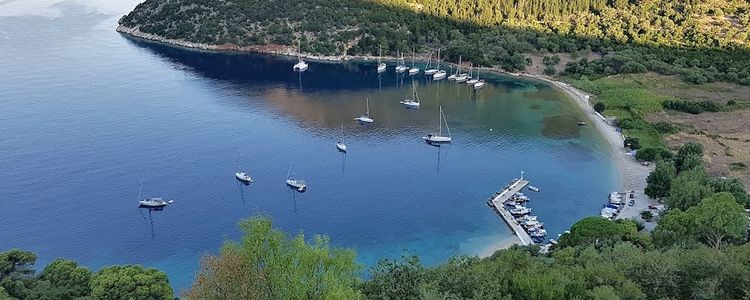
(140, 190)
(368, 106)
(446, 122)
(289, 172)
(380, 56)
(440, 121)
(438, 59)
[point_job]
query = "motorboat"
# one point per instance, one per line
(439, 138)
(533, 188)
(520, 210)
(539, 233)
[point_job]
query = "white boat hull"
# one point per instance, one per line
(341, 147)
(430, 71)
(478, 85)
(300, 186)
(460, 79)
(381, 68)
(244, 177)
(452, 77)
(472, 81)
(300, 66)
(154, 203)
(413, 71)
(410, 104)
(400, 69)
(363, 119)
(438, 76)
(437, 139)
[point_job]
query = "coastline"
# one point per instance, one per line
(632, 175)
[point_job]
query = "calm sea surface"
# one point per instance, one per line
(85, 111)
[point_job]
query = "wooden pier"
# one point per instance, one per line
(498, 203)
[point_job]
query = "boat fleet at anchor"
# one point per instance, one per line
(434, 139)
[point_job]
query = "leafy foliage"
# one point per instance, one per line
(269, 265)
(130, 282)
(597, 230)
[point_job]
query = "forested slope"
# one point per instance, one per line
(710, 37)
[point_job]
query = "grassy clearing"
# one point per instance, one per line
(627, 97)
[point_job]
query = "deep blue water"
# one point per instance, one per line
(84, 111)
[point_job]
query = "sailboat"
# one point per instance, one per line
(301, 65)
(381, 64)
(400, 65)
(439, 138)
(240, 175)
(458, 68)
(366, 117)
(414, 69)
(479, 84)
(427, 69)
(461, 77)
(414, 101)
(151, 202)
(472, 80)
(439, 74)
(340, 144)
(300, 185)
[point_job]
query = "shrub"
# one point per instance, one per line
(664, 127)
(693, 107)
(600, 107)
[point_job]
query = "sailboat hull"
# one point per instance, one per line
(341, 147)
(436, 139)
(430, 71)
(410, 104)
(413, 71)
(244, 177)
(381, 68)
(364, 120)
(438, 76)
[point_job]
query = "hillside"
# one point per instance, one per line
(710, 37)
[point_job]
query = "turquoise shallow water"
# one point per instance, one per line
(86, 110)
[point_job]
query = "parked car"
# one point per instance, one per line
(631, 203)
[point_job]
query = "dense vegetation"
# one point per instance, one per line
(703, 40)
(64, 279)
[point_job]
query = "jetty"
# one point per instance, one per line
(498, 203)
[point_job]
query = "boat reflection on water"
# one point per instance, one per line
(150, 217)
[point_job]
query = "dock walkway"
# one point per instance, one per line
(498, 203)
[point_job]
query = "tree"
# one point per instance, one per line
(273, 266)
(652, 154)
(733, 186)
(16, 262)
(688, 189)
(395, 279)
(632, 143)
(64, 279)
(659, 182)
(685, 158)
(594, 230)
(718, 218)
(600, 107)
(130, 282)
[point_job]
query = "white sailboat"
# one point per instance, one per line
(301, 65)
(151, 202)
(472, 79)
(381, 64)
(479, 84)
(439, 74)
(340, 144)
(240, 175)
(428, 70)
(300, 185)
(400, 65)
(366, 117)
(414, 101)
(439, 138)
(458, 68)
(414, 69)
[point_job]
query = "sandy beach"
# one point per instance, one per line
(632, 173)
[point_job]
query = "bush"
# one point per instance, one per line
(693, 107)
(600, 107)
(632, 143)
(550, 70)
(652, 154)
(664, 127)
(731, 102)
